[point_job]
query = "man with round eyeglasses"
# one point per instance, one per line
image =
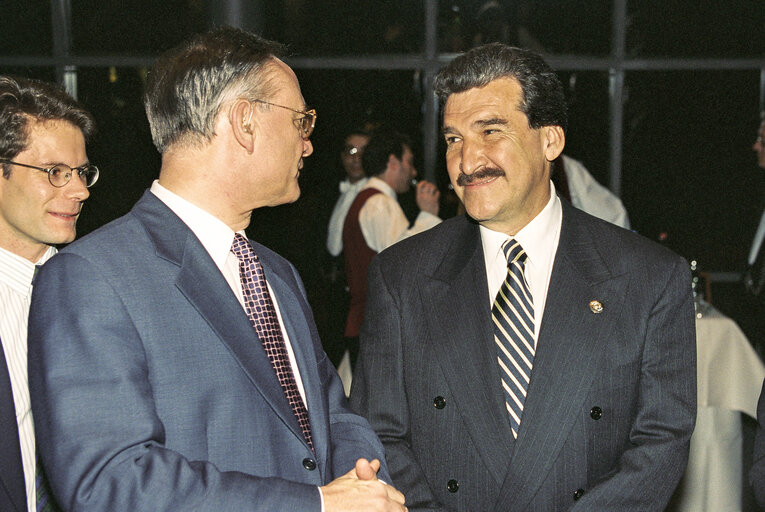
(41, 129)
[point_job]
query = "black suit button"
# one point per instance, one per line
(578, 494)
(439, 402)
(596, 413)
(309, 464)
(452, 486)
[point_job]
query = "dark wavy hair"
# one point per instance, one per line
(543, 100)
(382, 144)
(23, 100)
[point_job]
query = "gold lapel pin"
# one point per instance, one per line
(596, 307)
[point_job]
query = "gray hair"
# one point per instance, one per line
(543, 100)
(188, 84)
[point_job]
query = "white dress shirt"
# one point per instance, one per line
(217, 238)
(539, 238)
(348, 192)
(16, 275)
(592, 197)
(382, 220)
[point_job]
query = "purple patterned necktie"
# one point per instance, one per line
(260, 310)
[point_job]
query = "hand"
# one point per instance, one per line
(427, 197)
(360, 490)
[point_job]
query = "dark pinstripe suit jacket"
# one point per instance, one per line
(612, 399)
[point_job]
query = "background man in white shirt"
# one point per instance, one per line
(44, 184)
(175, 364)
(376, 220)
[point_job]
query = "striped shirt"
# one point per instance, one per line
(16, 275)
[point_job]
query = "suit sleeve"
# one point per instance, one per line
(98, 432)
(378, 393)
(757, 473)
(653, 463)
(351, 436)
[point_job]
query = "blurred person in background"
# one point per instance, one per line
(376, 220)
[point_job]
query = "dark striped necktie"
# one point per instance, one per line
(513, 315)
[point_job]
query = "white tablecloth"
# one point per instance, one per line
(730, 376)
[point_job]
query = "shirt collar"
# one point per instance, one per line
(346, 185)
(375, 182)
(538, 237)
(17, 272)
(213, 233)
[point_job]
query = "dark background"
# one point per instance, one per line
(689, 175)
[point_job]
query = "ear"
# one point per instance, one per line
(242, 123)
(554, 140)
(393, 162)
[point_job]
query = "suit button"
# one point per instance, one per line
(578, 494)
(596, 413)
(452, 486)
(439, 402)
(309, 464)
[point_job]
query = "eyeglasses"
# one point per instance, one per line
(60, 174)
(306, 123)
(350, 150)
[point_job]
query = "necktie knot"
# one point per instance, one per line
(514, 252)
(242, 248)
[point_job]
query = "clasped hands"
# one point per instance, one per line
(360, 490)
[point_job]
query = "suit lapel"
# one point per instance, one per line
(458, 316)
(11, 474)
(295, 313)
(203, 285)
(567, 358)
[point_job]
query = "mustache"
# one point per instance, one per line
(487, 172)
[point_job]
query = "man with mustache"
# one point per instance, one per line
(174, 363)
(526, 356)
(376, 220)
(45, 180)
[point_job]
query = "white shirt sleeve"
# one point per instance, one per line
(383, 222)
(336, 222)
(592, 197)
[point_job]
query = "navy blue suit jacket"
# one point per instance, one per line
(151, 391)
(12, 491)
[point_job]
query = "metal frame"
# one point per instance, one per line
(428, 63)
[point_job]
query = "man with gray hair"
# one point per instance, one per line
(174, 363)
(526, 356)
